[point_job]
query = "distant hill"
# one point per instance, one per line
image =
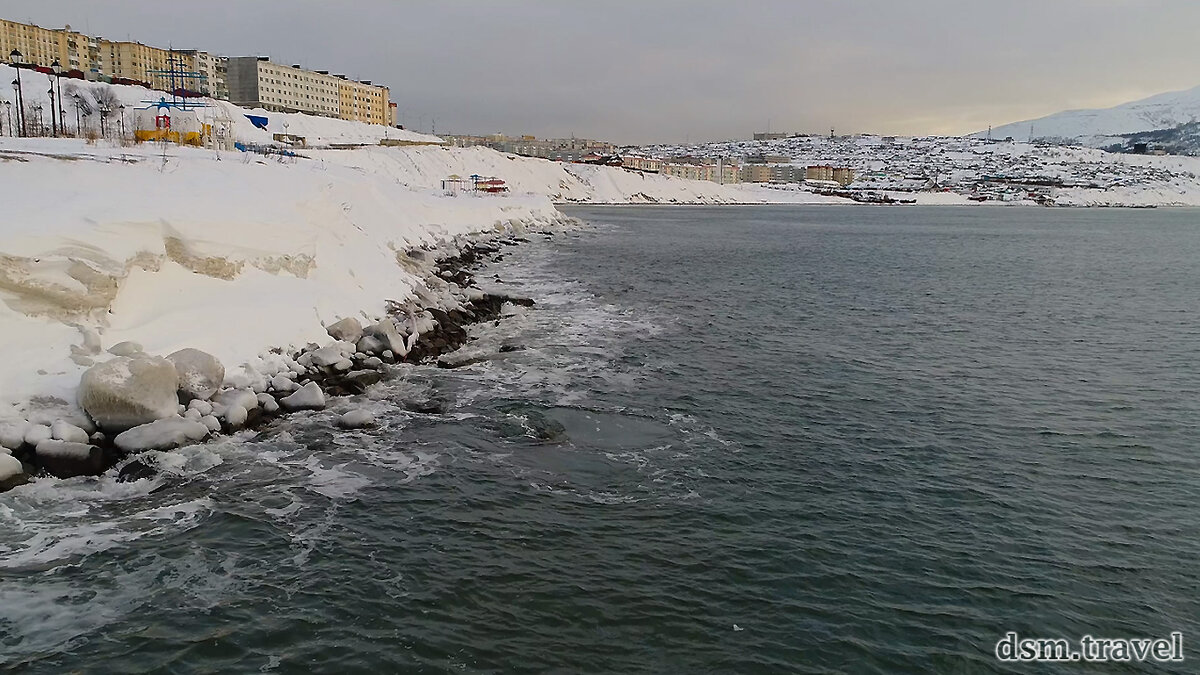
(1094, 127)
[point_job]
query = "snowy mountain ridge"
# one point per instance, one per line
(1161, 111)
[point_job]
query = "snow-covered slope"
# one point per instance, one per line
(1162, 111)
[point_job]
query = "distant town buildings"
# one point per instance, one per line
(247, 81)
(758, 168)
(840, 175)
(558, 149)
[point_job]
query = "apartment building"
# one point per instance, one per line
(363, 101)
(257, 82)
(95, 58)
(841, 175)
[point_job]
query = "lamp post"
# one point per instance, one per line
(15, 57)
(121, 108)
(56, 109)
(104, 110)
(78, 118)
(53, 117)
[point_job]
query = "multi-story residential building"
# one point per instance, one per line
(841, 175)
(256, 82)
(96, 58)
(640, 163)
(363, 101)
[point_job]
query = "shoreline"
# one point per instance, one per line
(435, 329)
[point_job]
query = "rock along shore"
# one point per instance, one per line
(137, 402)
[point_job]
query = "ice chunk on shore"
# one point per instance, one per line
(346, 330)
(162, 434)
(309, 397)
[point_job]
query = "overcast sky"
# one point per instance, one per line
(673, 70)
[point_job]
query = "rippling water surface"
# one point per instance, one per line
(727, 440)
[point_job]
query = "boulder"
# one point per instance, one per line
(244, 398)
(236, 416)
(327, 356)
(268, 404)
(308, 397)
(200, 373)
(64, 431)
(202, 407)
(129, 391)
(63, 459)
(162, 434)
(211, 423)
(12, 473)
(36, 433)
(370, 344)
(136, 470)
(12, 436)
(356, 419)
(385, 331)
(284, 384)
(347, 330)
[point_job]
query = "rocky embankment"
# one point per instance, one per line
(137, 402)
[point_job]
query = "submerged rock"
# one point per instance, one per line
(356, 419)
(161, 435)
(63, 459)
(129, 391)
(309, 397)
(135, 471)
(200, 373)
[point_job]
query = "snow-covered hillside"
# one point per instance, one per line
(1162, 111)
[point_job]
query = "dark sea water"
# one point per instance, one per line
(729, 440)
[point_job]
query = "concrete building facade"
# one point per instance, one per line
(257, 82)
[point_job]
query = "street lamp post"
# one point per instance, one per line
(53, 117)
(78, 118)
(56, 103)
(15, 56)
(104, 110)
(121, 108)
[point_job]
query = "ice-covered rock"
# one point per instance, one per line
(268, 403)
(192, 414)
(162, 434)
(374, 363)
(200, 373)
(229, 398)
(308, 397)
(129, 391)
(347, 330)
(327, 356)
(211, 422)
(343, 365)
(236, 416)
(385, 331)
(356, 419)
(36, 433)
(12, 473)
(370, 344)
(12, 436)
(65, 431)
(63, 459)
(282, 383)
(202, 407)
